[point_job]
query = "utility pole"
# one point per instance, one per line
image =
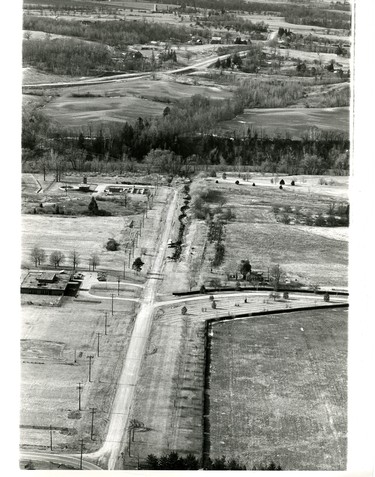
(130, 441)
(75, 355)
(118, 286)
(129, 257)
(80, 460)
(98, 343)
(112, 295)
(79, 396)
(105, 323)
(124, 269)
(50, 436)
(93, 410)
(90, 358)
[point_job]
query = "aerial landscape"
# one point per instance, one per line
(185, 232)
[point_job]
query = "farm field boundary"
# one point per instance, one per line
(207, 362)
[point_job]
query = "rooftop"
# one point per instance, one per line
(36, 279)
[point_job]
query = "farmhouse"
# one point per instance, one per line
(46, 283)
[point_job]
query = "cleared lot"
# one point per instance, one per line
(89, 235)
(124, 101)
(278, 390)
(313, 255)
(169, 393)
(294, 121)
(55, 345)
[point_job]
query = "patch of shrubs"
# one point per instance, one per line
(173, 461)
(219, 254)
(93, 209)
(112, 245)
(336, 216)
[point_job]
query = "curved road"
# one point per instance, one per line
(66, 459)
(131, 76)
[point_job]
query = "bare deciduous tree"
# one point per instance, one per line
(192, 282)
(75, 258)
(94, 261)
(276, 275)
(56, 258)
(38, 255)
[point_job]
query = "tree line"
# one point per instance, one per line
(317, 152)
(187, 133)
(68, 56)
(232, 22)
(117, 33)
(57, 258)
(326, 16)
(174, 461)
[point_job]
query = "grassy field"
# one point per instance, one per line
(87, 235)
(294, 121)
(169, 392)
(312, 255)
(124, 101)
(51, 339)
(278, 390)
(275, 23)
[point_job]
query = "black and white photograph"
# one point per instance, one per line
(186, 187)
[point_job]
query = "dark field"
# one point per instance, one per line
(294, 121)
(278, 390)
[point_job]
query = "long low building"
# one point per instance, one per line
(45, 283)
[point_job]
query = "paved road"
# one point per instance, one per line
(68, 460)
(245, 294)
(131, 76)
(109, 453)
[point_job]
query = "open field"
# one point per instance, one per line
(310, 258)
(169, 393)
(51, 340)
(290, 120)
(80, 112)
(275, 23)
(124, 101)
(278, 390)
(311, 255)
(87, 235)
(310, 56)
(31, 75)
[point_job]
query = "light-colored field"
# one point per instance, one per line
(308, 257)
(290, 120)
(51, 339)
(79, 112)
(30, 75)
(308, 188)
(124, 101)
(170, 390)
(278, 390)
(310, 56)
(87, 235)
(307, 254)
(275, 23)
